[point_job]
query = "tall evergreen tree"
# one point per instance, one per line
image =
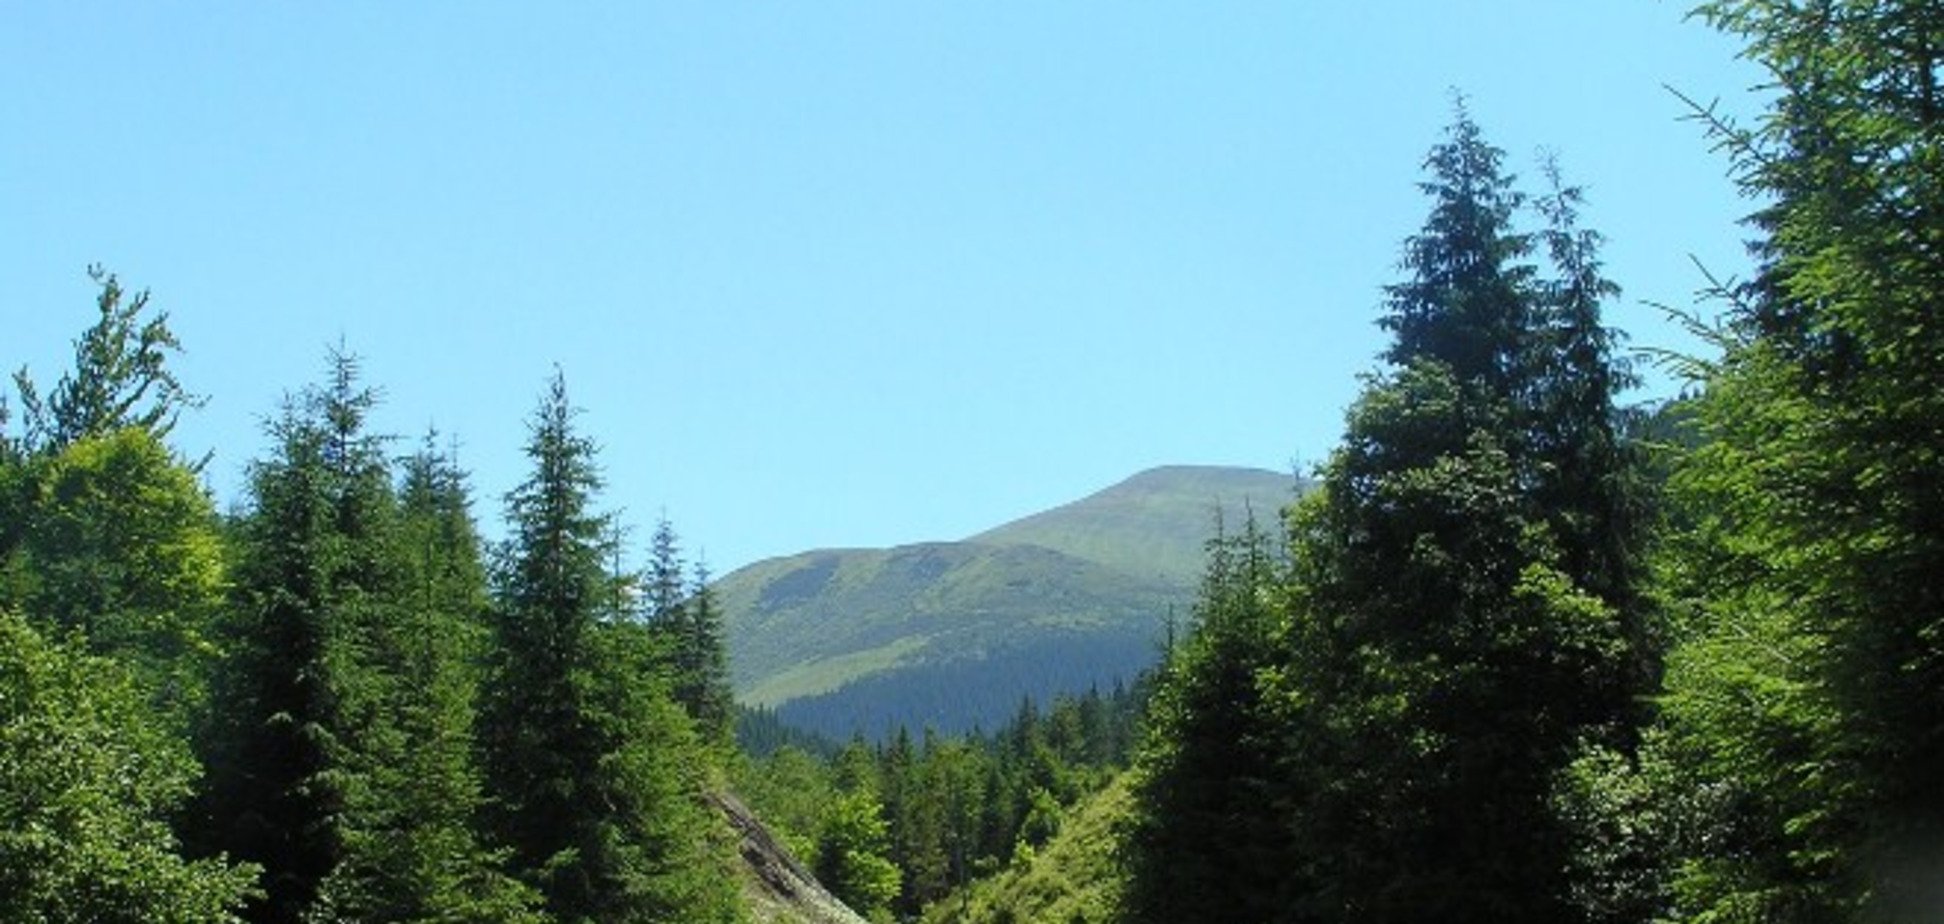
(1381, 739)
(588, 762)
(663, 582)
(341, 748)
(687, 623)
(1807, 685)
(412, 787)
(1457, 625)
(269, 797)
(701, 661)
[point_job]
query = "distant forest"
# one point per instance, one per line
(1524, 654)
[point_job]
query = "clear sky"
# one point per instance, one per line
(821, 274)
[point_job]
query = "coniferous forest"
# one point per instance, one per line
(1526, 652)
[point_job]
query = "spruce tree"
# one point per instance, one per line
(590, 766)
(340, 743)
(1378, 735)
(268, 797)
(702, 663)
(412, 787)
(1447, 652)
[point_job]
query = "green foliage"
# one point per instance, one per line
(87, 777)
(788, 788)
(411, 787)
(954, 808)
(851, 855)
(688, 620)
(267, 798)
(1377, 734)
(1073, 879)
(119, 545)
(1808, 680)
(1200, 846)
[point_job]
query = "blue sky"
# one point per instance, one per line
(821, 274)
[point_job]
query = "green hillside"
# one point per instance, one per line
(1153, 524)
(952, 634)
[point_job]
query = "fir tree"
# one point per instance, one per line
(269, 797)
(1205, 845)
(412, 788)
(341, 750)
(701, 662)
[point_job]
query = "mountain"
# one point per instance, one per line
(1154, 524)
(951, 635)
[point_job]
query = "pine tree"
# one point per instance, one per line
(1378, 735)
(663, 579)
(268, 797)
(341, 747)
(588, 762)
(412, 788)
(702, 663)
(296, 701)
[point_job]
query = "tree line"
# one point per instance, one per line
(1525, 655)
(337, 703)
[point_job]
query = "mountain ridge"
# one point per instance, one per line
(951, 634)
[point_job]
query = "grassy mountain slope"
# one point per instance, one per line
(952, 634)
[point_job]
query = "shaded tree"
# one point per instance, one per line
(1203, 844)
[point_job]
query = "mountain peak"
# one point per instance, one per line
(1155, 523)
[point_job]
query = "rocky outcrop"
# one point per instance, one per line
(777, 888)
